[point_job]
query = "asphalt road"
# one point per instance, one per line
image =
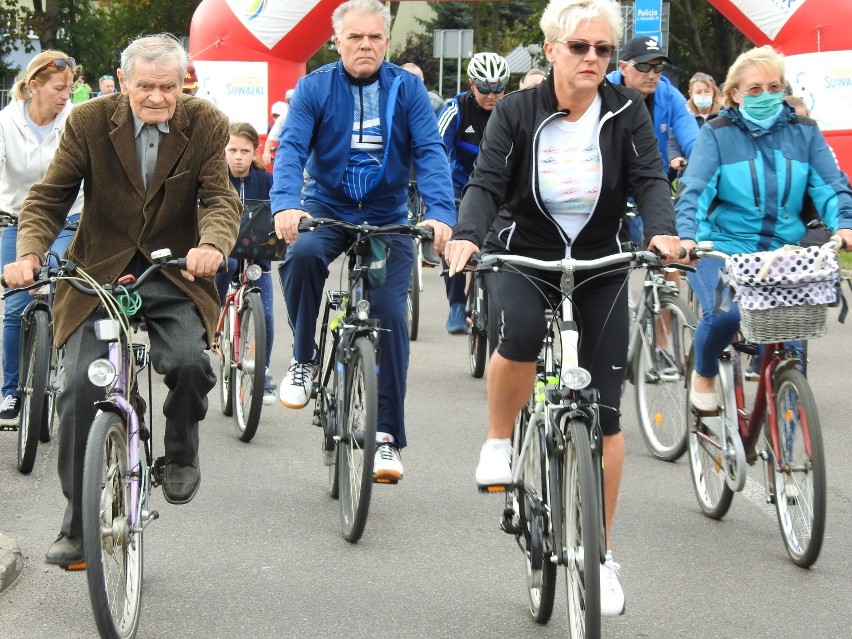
(258, 553)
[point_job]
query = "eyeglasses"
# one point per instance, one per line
(581, 47)
(644, 67)
(757, 89)
(59, 63)
(489, 90)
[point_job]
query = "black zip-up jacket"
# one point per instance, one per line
(505, 178)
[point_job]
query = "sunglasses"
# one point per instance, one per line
(489, 90)
(644, 67)
(581, 47)
(757, 89)
(107, 77)
(59, 63)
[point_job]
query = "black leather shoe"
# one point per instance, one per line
(65, 551)
(180, 483)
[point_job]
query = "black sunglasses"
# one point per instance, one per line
(581, 47)
(489, 90)
(644, 67)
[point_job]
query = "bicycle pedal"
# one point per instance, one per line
(506, 523)
(381, 480)
(75, 567)
(494, 488)
(157, 471)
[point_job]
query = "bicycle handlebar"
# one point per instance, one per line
(707, 249)
(425, 233)
(493, 260)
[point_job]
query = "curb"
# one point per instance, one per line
(11, 562)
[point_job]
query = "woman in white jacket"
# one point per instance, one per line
(30, 128)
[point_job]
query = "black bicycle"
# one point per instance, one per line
(346, 392)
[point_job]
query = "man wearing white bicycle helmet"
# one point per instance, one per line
(461, 123)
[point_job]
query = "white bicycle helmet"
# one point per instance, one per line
(488, 70)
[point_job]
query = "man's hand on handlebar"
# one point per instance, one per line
(21, 273)
(287, 224)
(457, 254)
(202, 261)
(441, 233)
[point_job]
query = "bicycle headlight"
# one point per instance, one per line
(576, 378)
(101, 372)
(362, 311)
(253, 272)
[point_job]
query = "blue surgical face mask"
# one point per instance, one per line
(702, 101)
(762, 107)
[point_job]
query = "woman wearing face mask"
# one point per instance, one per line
(705, 102)
(750, 170)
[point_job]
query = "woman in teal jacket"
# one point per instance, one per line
(744, 188)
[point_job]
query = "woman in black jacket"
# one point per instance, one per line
(558, 161)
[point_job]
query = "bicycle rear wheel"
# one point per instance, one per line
(34, 370)
(111, 547)
(414, 292)
(249, 374)
(226, 362)
(799, 475)
(706, 466)
(477, 335)
(660, 378)
(357, 445)
(581, 534)
(531, 505)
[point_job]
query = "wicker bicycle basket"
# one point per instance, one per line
(783, 295)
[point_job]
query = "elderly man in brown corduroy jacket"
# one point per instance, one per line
(152, 167)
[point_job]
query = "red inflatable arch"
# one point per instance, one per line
(814, 37)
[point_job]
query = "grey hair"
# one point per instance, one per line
(368, 6)
(561, 18)
(152, 49)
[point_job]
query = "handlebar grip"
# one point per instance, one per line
(36, 273)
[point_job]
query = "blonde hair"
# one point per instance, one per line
(41, 70)
(561, 18)
(764, 58)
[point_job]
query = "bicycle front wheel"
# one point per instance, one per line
(414, 292)
(477, 335)
(250, 371)
(112, 545)
(660, 378)
(799, 473)
(54, 380)
(226, 362)
(531, 504)
(357, 438)
(34, 371)
(581, 534)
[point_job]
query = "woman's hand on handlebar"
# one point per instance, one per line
(846, 236)
(440, 233)
(21, 273)
(670, 247)
(457, 254)
(202, 261)
(287, 224)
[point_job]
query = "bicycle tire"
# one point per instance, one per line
(539, 570)
(249, 374)
(34, 370)
(705, 464)
(113, 552)
(357, 427)
(659, 387)
(477, 334)
(414, 293)
(799, 477)
(226, 363)
(581, 531)
(330, 449)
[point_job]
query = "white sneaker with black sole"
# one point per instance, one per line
(10, 410)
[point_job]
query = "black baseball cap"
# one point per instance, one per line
(642, 49)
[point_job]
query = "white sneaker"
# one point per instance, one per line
(270, 391)
(10, 410)
(295, 391)
(612, 596)
(495, 463)
(387, 465)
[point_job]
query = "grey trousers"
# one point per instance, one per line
(177, 352)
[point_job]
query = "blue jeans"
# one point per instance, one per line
(715, 328)
(303, 273)
(265, 286)
(15, 305)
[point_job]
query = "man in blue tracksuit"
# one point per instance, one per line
(640, 66)
(355, 125)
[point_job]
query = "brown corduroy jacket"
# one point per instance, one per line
(190, 200)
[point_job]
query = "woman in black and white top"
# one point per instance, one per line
(558, 162)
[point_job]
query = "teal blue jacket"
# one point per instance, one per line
(745, 187)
